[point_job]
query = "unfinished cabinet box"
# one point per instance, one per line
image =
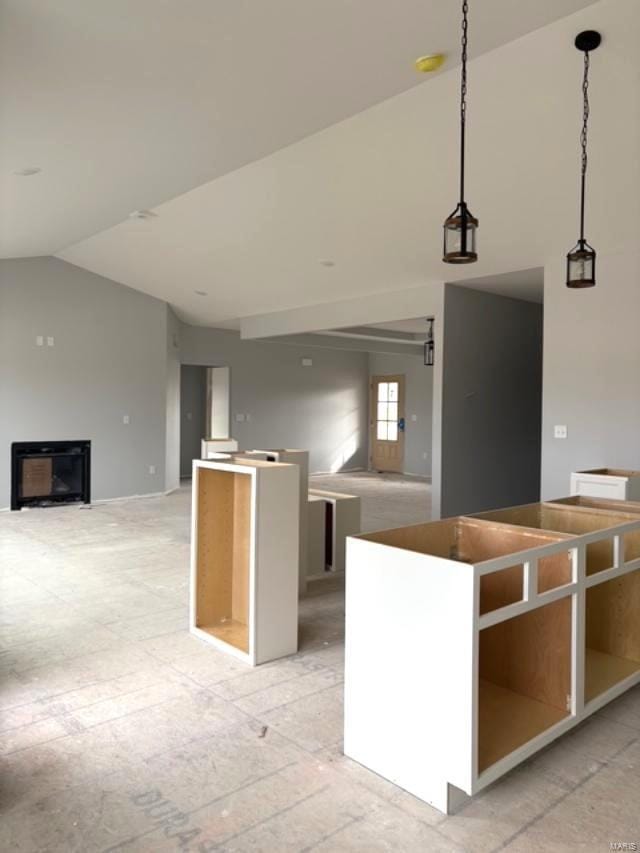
(341, 519)
(244, 558)
(615, 483)
(469, 641)
(211, 446)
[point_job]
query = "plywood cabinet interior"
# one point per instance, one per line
(222, 556)
(244, 558)
(521, 622)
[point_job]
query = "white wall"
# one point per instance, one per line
(109, 359)
(418, 402)
(591, 370)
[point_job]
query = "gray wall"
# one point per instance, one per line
(418, 402)
(109, 359)
(491, 406)
(322, 408)
(193, 414)
(591, 370)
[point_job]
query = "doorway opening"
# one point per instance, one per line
(204, 409)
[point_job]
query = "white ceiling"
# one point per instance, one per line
(131, 105)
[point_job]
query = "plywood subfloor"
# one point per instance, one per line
(111, 709)
(508, 720)
(602, 671)
(234, 633)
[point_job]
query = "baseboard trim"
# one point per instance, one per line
(341, 471)
(101, 501)
(427, 477)
(133, 497)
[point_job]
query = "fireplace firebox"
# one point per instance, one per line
(45, 473)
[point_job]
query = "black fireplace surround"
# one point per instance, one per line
(50, 472)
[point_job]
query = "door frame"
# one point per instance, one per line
(400, 378)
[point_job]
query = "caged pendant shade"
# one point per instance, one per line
(460, 237)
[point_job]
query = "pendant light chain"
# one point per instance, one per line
(463, 92)
(583, 139)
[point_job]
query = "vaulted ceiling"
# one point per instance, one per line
(227, 118)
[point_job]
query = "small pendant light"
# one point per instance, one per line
(581, 260)
(429, 344)
(460, 226)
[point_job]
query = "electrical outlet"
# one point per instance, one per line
(152, 469)
(39, 341)
(50, 341)
(560, 431)
(126, 419)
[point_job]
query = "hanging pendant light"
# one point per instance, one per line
(429, 344)
(460, 226)
(581, 260)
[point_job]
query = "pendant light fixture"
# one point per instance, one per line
(581, 260)
(460, 226)
(429, 344)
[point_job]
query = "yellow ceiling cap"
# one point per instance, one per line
(430, 63)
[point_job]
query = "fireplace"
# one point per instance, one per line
(44, 473)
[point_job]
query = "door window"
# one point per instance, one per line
(387, 412)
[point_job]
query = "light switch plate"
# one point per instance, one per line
(414, 418)
(39, 341)
(239, 418)
(560, 431)
(126, 419)
(307, 362)
(50, 341)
